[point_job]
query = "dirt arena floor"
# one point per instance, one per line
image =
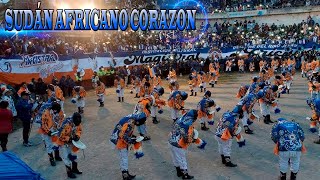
(255, 161)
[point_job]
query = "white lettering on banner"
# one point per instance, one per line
(38, 59)
(47, 71)
(141, 59)
(48, 67)
(5, 66)
(168, 51)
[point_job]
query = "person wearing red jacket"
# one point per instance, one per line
(5, 124)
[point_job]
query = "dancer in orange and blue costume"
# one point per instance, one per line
(176, 103)
(206, 110)
(124, 139)
(50, 118)
(70, 130)
(228, 127)
(79, 94)
(182, 136)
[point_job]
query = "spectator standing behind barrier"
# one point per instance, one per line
(108, 80)
(32, 88)
(24, 108)
(23, 88)
(102, 75)
(41, 90)
(69, 84)
(62, 85)
(5, 124)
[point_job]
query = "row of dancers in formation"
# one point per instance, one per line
(264, 89)
(62, 133)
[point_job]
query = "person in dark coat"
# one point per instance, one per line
(62, 85)
(24, 109)
(69, 83)
(41, 90)
(5, 124)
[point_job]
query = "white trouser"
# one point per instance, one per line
(228, 68)
(224, 146)
(80, 103)
(204, 85)
(142, 129)
(293, 156)
(61, 104)
(66, 151)
(121, 92)
(265, 109)
(288, 84)
(241, 68)
(203, 120)
(174, 113)
(195, 89)
(137, 89)
(48, 142)
(245, 118)
(101, 97)
(123, 155)
(179, 157)
(153, 111)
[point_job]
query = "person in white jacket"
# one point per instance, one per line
(6, 96)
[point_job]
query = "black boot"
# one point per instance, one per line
(136, 95)
(185, 175)
(75, 168)
(122, 99)
(283, 176)
(154, 120)
(57, 155)
(82, 111)
(127, 176)
(317, 141)
(146, 138)
(4, 148)
(101, 104)
(269, 119)
(293, 176)
(247, 130)
(179, 172)
(216, 82)
(279, 95)
(195, 94)
(288, 91)
(223, 159)
(212, 85)
(204, 127)
(201, 89)
(79, 110)
(70, 173)
(51, 159)
(191, 93)
(131, 176)
(229, 163)
(265, 120)
(119, 99)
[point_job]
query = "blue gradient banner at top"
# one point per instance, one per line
(96, 19)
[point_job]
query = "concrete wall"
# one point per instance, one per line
(285, 16)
